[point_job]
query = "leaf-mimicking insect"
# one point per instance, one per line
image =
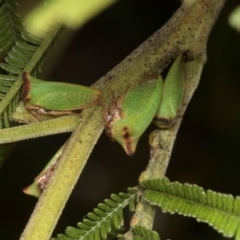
(172, 96)
(40, 182)
(129, 115)
(56, 98)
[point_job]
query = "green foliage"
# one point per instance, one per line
(26, 54)
(10, 33)
(16, 61)
(10, 25)
(141, 233)
(105, 219)
(221, 211)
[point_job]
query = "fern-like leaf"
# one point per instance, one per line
(141, 233)
(26, 55)
(106, 218)
(221, 211)
(16, 61)
(10, 25)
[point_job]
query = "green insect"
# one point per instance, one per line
(172, 97)
(40, 182)
(130, 115)
(56, 98)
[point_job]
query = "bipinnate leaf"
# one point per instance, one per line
(10, 25)
(105, 219)
(27, 53)
(221, 211)
(141, 233)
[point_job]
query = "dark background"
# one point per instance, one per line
(206, 151)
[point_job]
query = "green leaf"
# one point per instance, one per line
(10, 26)
(143, 233)
(221, 211)
(25, 55)
(106, 218)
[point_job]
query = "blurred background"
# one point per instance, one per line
(207, 149)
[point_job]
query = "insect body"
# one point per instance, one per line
(172, 97)
(40, 182)
(56, 98)
(130, 115)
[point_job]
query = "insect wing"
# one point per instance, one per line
(138, 109)
(173, 91)
(57, 95)
(40, 182)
